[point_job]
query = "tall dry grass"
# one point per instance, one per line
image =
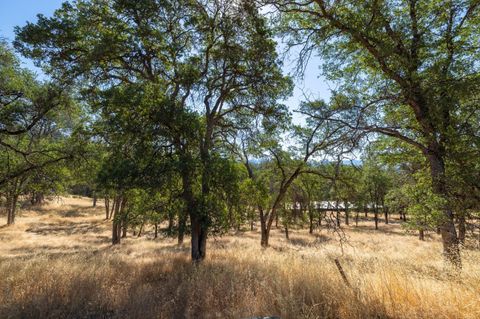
(58, 263)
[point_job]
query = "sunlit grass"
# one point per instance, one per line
(62, 265)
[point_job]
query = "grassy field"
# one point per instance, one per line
(57, 262)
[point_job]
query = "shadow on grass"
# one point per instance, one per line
(66, 228)
(109, 286)
(309, 241)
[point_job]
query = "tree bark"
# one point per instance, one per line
(461, 228)
(199, 239)
(116, 224)
(264, 230)
(12, 199)
(385, 213)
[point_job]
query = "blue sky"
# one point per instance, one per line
(18, 12)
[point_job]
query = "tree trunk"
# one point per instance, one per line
(356, 218)
(107, 207)
(375, 216)
(39, 198)
(286, 231)
(156, 230)
(347, 215)
(115, 199)
(447, 227)
(94, 199)
(461, 228)
(199, 239)
(310, 216)
(337, 216)
(264, 231)
(8, 208)
(116, 224)
(264, 238)
(12, 199)
(140, 230)
(421, 234)
(124, 228)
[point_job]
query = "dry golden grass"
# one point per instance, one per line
(57, 262)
